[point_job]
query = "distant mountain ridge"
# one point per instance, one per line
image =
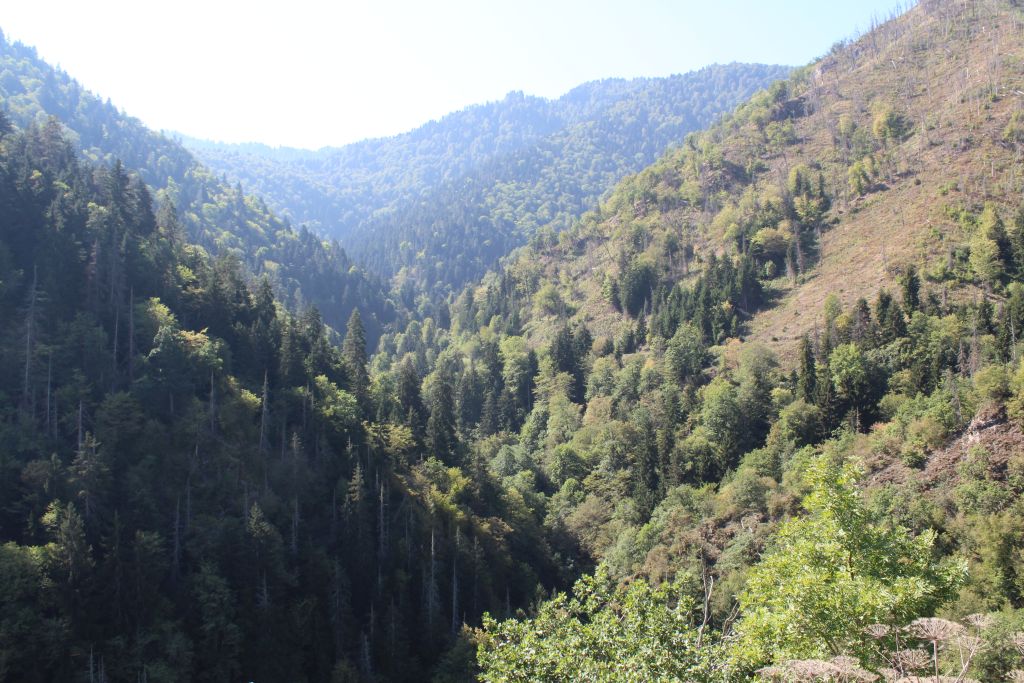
(222, 218)
(489, 176)
(879, 159)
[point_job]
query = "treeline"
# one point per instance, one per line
(440, 205)
(223, 219)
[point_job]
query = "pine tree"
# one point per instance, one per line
(410, 399)
(647, 483)
(640, 336)
(470, 399)
(562, 352)
(91, 476)
(863, 332)
(825, 397)
(490, 414)
(353, 353)
(359, 526)
(911, 285)
(807, 379)
(568, 351)
(441, 425)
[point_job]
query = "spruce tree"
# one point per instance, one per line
(911, 285)
(441, 425)
(353, 354)
(409, 398)
(807, 379)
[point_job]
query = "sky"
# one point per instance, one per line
(313, 73)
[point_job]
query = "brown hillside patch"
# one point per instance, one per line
(990, 429)
(955, 71)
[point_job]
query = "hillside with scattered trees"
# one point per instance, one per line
(439, 205)
(758, 416)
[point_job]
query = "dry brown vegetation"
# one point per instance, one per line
(954, 69)
(949, 72)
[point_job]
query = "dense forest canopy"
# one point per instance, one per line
(222, 218)
(197, 483)
(440, 205)
(606, 459)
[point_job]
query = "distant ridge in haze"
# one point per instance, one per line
(221, 218)
(440, 204)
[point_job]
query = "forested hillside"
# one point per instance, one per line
(606, 460)
(837, 181)
(196, 484)
(440, 205)
(304, 269)
(815, 508)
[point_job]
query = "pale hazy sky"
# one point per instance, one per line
(308, 74)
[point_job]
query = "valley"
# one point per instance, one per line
(714, 377)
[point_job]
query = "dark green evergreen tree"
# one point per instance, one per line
(808, 376)
(441, 434)
(910, 283)
(353, 353)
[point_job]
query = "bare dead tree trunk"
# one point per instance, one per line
(188, 500)
(49, 384)
(263, 413)
(131, 336)
(213, 405)
(30, 320)
(455, 584)
(176, 559)
(113, 350)
(79, 425)
(431, 597)
(295, 526)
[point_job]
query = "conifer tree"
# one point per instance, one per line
(441, 425)
(807, 378)
(353, 353)
(911, 285)
(410, 400)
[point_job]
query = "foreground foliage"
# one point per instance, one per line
(830, 574)
(197, 483)
(604, 632)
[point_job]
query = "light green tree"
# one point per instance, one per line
(985, 260)
(860, 178)
(686, 354)
(604, 632)
(336, 407)
(849, 375)
(833, 572)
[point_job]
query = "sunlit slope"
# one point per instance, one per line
(439, 205)
(874, 159)
(954, 72)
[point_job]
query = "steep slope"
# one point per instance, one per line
(193, 482)
(221, 218)
(621, 377)
(446, 200)
(202, 486)
(949, 76)
(876, 159)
